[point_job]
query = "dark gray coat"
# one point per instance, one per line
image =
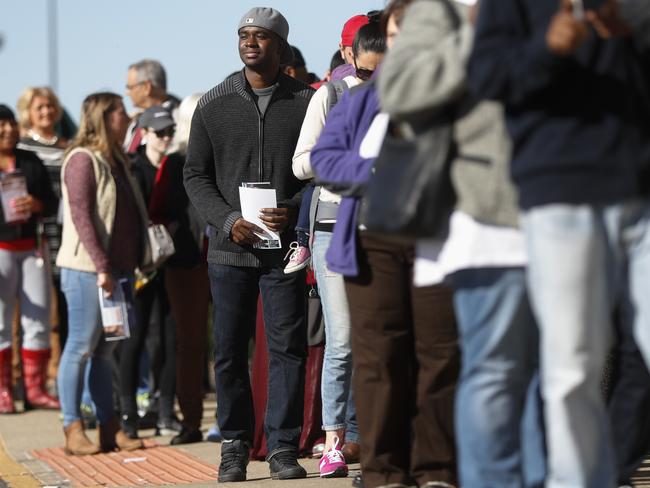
(230, 143)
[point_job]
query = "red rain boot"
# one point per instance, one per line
(34, 376)
(6, 398)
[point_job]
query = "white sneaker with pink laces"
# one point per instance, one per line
(299, 258)
(332, 465)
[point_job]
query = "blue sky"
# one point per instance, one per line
(194, 39)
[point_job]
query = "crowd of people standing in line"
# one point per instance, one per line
(471, 355)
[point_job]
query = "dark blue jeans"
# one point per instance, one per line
(234, 293)
(305, 206)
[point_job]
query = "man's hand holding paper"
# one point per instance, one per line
(243, 232)
(261, 217)
(276, 219)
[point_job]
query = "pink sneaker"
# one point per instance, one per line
(332, 465)
(299, 258)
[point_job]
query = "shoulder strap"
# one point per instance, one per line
(335, 90)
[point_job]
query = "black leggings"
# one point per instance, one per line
(151, 309)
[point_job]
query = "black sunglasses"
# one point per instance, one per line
(363, 73)
(169, 131)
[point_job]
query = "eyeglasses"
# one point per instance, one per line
(131, 87)
(168, 132)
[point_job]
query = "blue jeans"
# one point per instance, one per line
(85, 341)
(336, 383)
(235, 291)
(583, 259)
(499, 429)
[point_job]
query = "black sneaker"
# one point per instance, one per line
(234, 459)
(357, 482)
(129, 425)
(187, 436)
(283, 465)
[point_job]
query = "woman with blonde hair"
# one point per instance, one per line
(39, 112)
(185, 113)
(104, 240)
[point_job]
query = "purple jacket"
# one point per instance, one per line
(342, 71)
(335, 159)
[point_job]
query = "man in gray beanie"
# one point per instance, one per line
(245, 130)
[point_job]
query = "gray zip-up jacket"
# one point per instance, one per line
(232, 142)
(424, 74)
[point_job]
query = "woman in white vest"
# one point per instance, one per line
(104, 240)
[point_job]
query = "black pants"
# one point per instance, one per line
(629, 403)
(151, 310)
(235, 291)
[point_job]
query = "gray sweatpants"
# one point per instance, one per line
(24, 276)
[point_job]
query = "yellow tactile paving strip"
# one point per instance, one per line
(13, 473)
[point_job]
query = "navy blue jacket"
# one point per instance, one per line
(578, 122)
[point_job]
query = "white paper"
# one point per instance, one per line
(252, 200)
(13, 186)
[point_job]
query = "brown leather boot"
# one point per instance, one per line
(351, 452)
(113, 438)
(76, 442)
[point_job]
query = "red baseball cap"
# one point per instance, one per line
(351, 27)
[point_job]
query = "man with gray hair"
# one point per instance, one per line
(146, 85)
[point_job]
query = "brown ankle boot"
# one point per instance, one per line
(76, 442)
(113, 438)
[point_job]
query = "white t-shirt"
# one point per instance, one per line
(471, 244)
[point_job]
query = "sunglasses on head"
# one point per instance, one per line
(167, 132)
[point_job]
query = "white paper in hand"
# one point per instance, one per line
(252, 200)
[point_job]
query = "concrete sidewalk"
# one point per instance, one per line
(22, 434)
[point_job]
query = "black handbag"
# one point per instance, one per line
(410, 193)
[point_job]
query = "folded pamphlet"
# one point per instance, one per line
(12, 186)
(253, 197)
(117, 311)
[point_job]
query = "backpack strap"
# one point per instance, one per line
(335, 90)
